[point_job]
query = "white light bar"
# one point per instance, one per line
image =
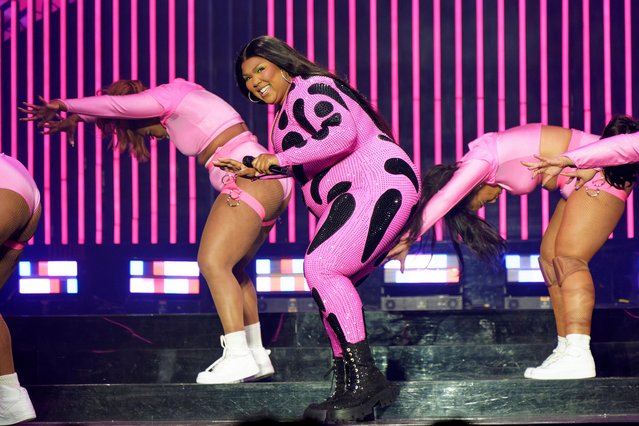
(48, 277)
(423, 269)
(523, 269)
(164, 277)
(280, 275)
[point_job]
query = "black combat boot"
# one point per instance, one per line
(317, 410)
(366, 387)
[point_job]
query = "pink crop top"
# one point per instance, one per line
(612, 151)
(193, 116)
(494, 159)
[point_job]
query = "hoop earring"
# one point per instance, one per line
(251, 99)
(284, 77)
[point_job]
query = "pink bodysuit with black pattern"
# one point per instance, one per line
(495, 159)
(361, 186)
(193, 118)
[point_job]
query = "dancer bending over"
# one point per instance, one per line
(580, 225)
(203, 125)
(19, 216)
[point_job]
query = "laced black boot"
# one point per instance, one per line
(366, 387)
(317, 410)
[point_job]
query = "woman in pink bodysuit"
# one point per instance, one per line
(203, 125)
(19, 216)
(580, 225)
(360, 185)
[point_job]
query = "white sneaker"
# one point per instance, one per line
(263, 361)
(556, 353)
(572, 364)
(230, 368)
(15, 405)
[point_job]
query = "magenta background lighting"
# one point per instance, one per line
(441, 72)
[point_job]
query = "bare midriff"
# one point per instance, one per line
(554, 141)
(221, 139)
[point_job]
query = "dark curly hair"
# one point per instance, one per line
(462, 224)
(623, 175)
(295, 64)
(125, 129)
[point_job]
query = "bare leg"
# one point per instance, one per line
(585, 226)
(547, 252)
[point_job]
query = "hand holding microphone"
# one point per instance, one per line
(272, 168)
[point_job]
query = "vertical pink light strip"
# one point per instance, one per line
(117, 210)
(135, 174)
(292, 213)
(416, 81)
(30, 81)
(437, 81)
(607, 65)
(394, 16)
(352, 43)
(373, 52)
(565, 64)
(270, 30)
(523, 108)
(627, 28)
(331, 34)
(64, 173)
(459, 82)
(172, 149)
(543, 64)
(98, 138)
(154, 143)
(80, 132)
(14, 79)
(46, 140)
(479, 50)
(192, 163)
(586, 65)
(437, 96)
(310, 47)
(501, 104)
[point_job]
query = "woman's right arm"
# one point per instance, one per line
(612, 151)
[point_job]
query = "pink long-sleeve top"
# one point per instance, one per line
(494, 159)
(612, 151)
(192, 116)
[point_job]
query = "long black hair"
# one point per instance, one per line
(623, 175)
(462, 224)
(295, 64)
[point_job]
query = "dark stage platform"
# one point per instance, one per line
(140, 369)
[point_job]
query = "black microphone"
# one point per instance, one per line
(277, 170)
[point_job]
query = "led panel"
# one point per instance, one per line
(48, 277)
(523, 269)
(164, 277)
(280, 276)
(423, 269)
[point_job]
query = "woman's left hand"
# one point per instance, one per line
(582, 175)
(399, 252)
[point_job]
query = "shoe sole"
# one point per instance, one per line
(382, 399)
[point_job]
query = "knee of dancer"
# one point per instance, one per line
(565, 266)
(548, 272)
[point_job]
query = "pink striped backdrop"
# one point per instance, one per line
(442, 72)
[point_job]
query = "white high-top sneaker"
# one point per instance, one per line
(15, 405)
(232, 367)
(556, 353)
(263, 361)
(575, 363)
